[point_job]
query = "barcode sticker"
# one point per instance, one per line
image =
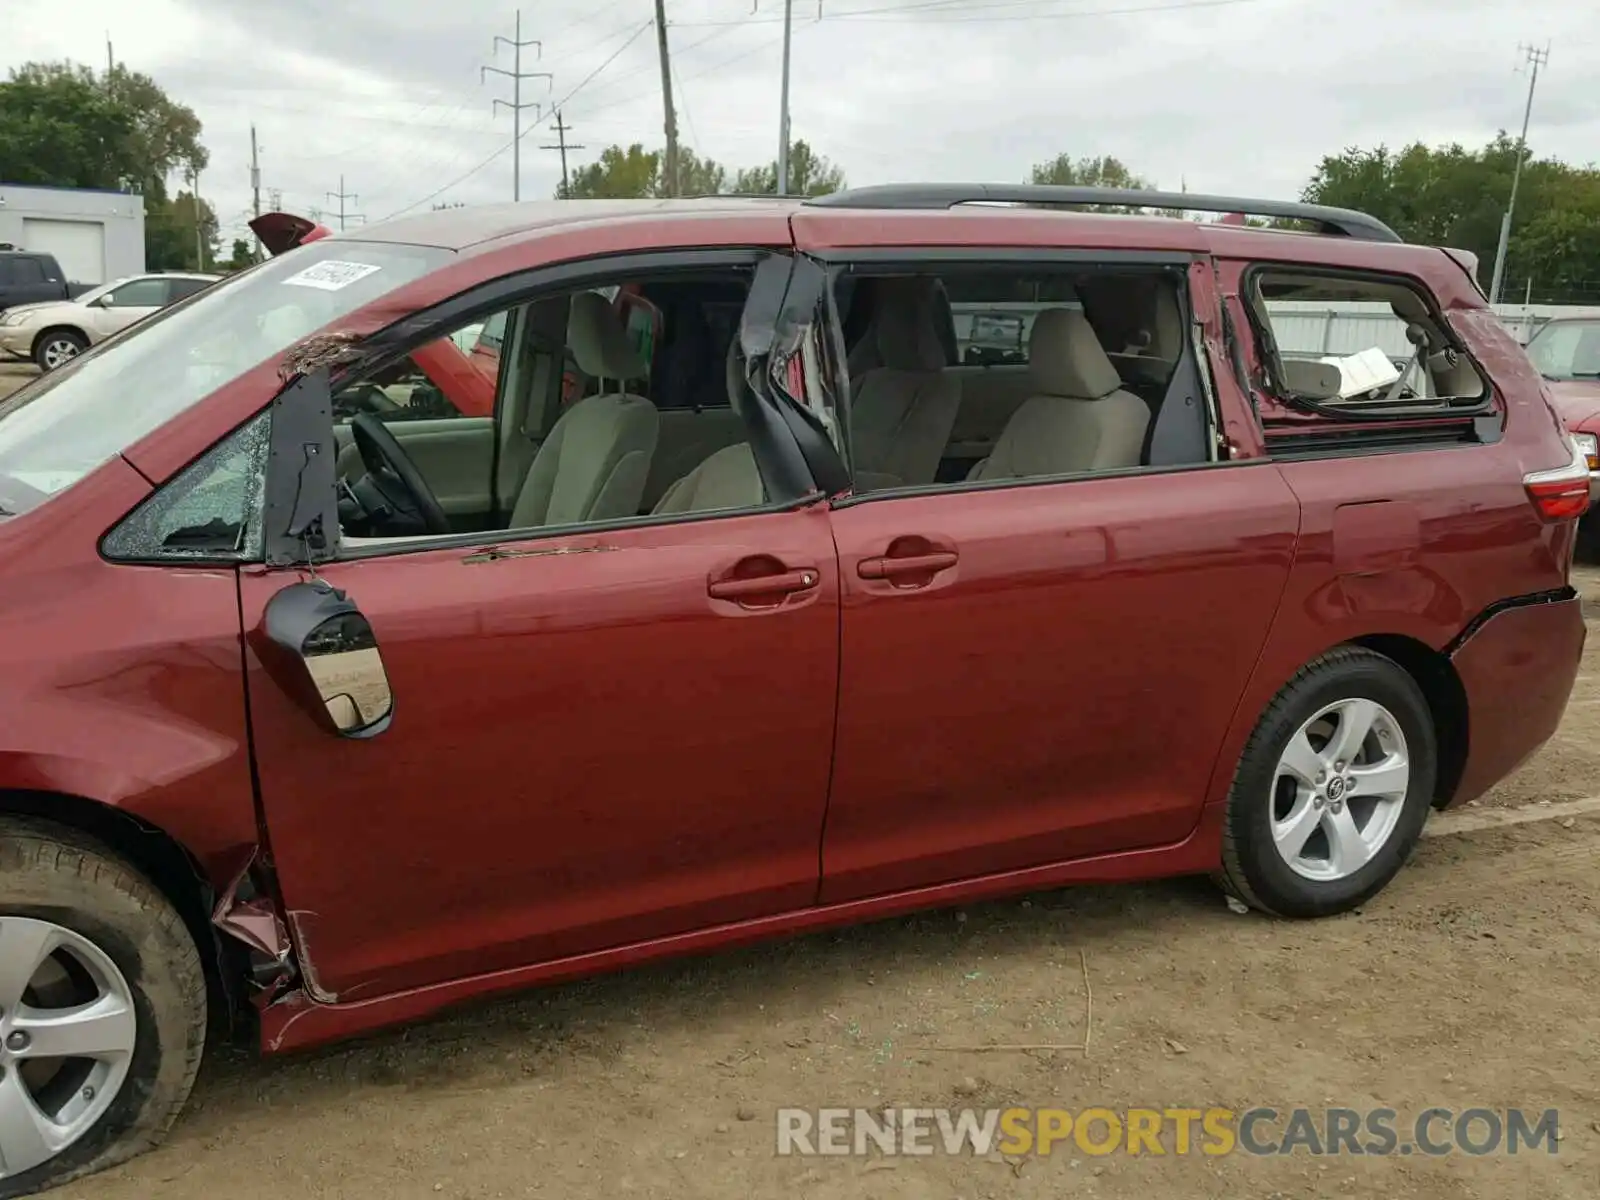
(332, 275)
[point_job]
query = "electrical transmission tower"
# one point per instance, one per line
(341, 196)
(517, 75)
(562, 129)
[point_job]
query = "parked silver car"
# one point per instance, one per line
(52, 332)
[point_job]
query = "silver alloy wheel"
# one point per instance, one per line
(67, 1032)
(1339, 790)
(57, 351)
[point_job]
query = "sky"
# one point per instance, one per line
(385, 101)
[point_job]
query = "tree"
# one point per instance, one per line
(169, 235)
(810, 174)
(62, 125)
(630, 174)
(1451, 196)
(241, 256)
(1103, 171)
(637, 173)
(58, 128)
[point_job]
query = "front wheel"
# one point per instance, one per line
(1333, 788)
(102, 1009)
(57, 346)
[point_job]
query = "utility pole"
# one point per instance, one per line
(666, 98)
(783, 102)
(111, 58)
(199, 220)
(255, 187)
(517, 75)
(783, 97)
(1536, 59)
(563, 145)
(341, 196)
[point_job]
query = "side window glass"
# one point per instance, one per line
(141, 293)
(182, 289)
(955, 374)
(28, 270)
(1353, 342)
(455, 376)
(212, 510)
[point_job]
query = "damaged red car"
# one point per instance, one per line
(741, 590)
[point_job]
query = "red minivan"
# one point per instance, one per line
(325, 711)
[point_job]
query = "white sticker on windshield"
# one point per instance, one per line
(331, 275)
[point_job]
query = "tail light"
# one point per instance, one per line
(1562, 493)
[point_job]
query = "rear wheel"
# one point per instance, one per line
(102, 1009)
(57, 346)
(1333, 788)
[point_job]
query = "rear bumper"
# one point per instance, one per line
(1517, 669)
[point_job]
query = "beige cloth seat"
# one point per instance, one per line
(1079, 418)
(903, 403)
(727, 479)
(593, 465)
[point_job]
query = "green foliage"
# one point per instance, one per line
(636, 173)
(1452, 196)
(61, 125)
(59, 128)
(169, 234)
(242, 255)
(810, 174)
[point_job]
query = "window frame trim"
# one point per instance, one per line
(1270, 361)
(840, 261)
(206, 561)
(519, 288)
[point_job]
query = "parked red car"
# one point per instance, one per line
(333, 714)
(1566, 351)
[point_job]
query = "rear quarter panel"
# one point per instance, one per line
(1415, 543)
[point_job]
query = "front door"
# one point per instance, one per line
(602, 734)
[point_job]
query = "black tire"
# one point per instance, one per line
(53, 337)
(1252, 868)
(54, 874)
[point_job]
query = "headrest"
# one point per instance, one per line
(903, 333)
(1066, 359)
(1312, 377)
(598, 341)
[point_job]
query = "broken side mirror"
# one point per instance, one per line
(320, 649)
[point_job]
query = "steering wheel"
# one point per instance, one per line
(388, 465)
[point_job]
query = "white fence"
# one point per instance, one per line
(1306, 327)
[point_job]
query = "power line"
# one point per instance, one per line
(559, 104)
(563, 145)
(517, 75)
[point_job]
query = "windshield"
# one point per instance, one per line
(73, 419)
(1567, 350)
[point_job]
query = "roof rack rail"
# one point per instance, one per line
(1343, 222)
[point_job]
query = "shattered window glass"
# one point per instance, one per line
(211, 510)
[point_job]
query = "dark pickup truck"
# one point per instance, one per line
(29, 277)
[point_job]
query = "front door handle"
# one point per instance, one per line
(784, 584)
(897, 566)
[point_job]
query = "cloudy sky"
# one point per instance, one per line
(1238, 96)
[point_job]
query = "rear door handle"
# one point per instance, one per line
(890, 567)
(785, 584)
